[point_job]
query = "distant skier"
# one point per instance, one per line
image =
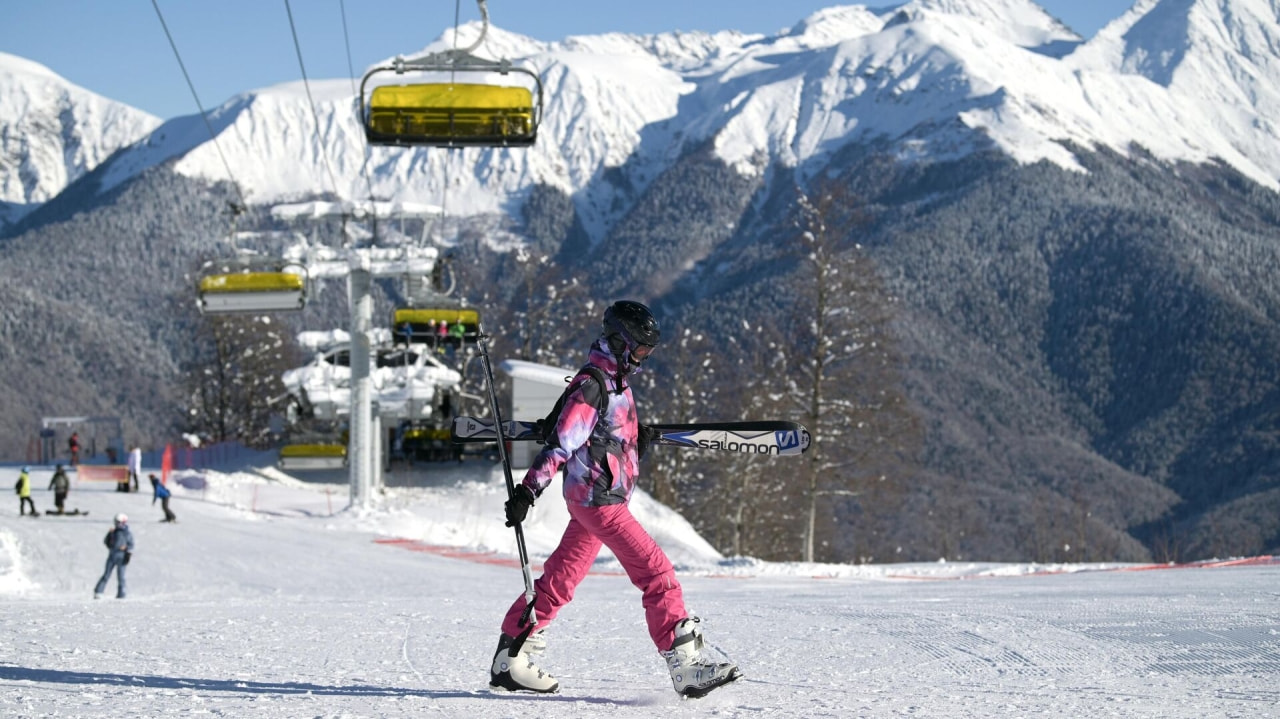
(23, 490)
(60, 486)
(135, 468)
(599, 452)
(161, 492)
(442, 336)
(119, 541)
(73, 446)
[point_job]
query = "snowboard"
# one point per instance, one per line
(72, 513)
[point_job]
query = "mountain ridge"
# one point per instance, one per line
(52, 132)
(847, 74)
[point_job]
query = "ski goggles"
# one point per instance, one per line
(642, 352)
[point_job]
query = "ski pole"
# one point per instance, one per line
(529, 618)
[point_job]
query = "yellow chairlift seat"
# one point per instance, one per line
(241, 292)
(312, 456)
(428, 443)
(422, 321)
(426, 434)
(451, 114)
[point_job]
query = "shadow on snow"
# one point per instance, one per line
(239, 686)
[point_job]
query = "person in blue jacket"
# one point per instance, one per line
(119, 543)
(161, 492)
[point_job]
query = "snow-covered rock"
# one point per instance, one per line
(52, 132)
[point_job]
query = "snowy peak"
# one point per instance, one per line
(1020, 22)
(497, 43)
(1217, 61)
(1168, 41)
(832, 25)
(52, 132)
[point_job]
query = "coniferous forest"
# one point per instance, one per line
(999, 362)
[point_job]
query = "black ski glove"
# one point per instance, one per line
(518, 505)
(644, 436)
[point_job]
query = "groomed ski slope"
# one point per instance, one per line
(260, 603)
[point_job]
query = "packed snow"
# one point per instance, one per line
(271, 597)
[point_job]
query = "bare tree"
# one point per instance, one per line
(234, 382)
(682, 389)
(550, 303)
(840, 374)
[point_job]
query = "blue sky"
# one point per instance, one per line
(118, 49)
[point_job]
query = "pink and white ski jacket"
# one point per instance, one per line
(598, 454)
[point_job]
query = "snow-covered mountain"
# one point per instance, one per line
(1203, 78)
(52, 132)
(1185, 79)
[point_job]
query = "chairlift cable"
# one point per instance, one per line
(444, 190)
(203, 115)
(484, 26)
(457, 20)
(346, 41)
(311, 101)
(351, 71)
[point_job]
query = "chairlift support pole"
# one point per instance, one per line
(359, 283)
(364, 456)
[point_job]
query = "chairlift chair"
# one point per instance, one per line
(414, 323)
(449, 113)
(312, 456)
(427, 443)
(278, 287)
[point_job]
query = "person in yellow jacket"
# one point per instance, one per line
(23, 488)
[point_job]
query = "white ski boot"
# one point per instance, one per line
(693, 673)
(518, 673)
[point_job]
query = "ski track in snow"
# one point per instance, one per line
(257, 603)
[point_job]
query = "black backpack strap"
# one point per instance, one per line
(602, 398)
(547, 425)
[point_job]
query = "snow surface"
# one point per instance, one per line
(270, 598)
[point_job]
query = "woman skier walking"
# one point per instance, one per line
(599, 450)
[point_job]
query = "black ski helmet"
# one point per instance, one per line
(636, 326)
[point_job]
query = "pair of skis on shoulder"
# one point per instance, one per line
(774, 438)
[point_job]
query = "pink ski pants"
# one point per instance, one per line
(646, 565)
